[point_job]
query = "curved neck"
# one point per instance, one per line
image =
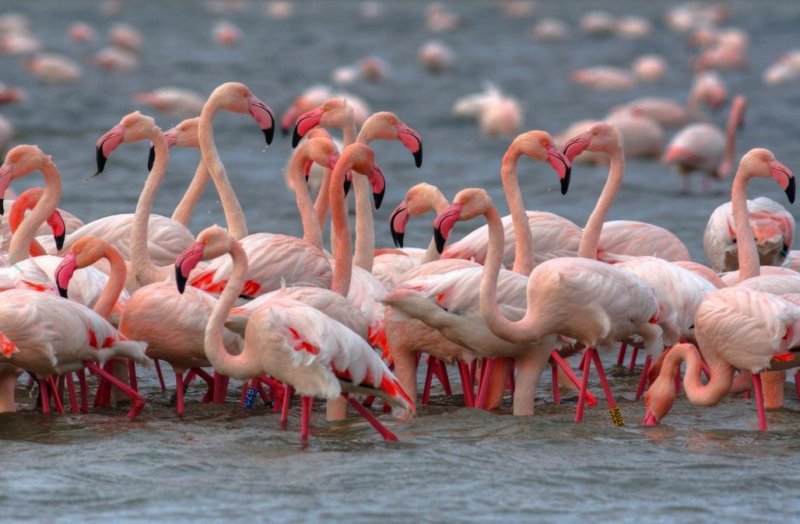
(730, 138)
(116, 282)
(364, 253)
(523, 238)
(245, 364)
(698, 393)
(594, 226)
(23, 237)
(439, 205)
(525, 328)
(323, 200)
(144, 271)
(234, 216)
(749, 265)
(340, 231)
(185, 208)
(312, 232)
(17, 215)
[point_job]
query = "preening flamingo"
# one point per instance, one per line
(738, 327)
(62, 221)
(290, 341)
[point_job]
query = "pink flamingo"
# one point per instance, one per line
(54, 69)
(172, 100)
(290, 341)
(702, 147)
(719, 325)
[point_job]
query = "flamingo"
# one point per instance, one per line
(290, 341)
(772, 227)
(172, 100)
(759, 163)
(54, 69)
(702, 147)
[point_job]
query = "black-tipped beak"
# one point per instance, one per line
(62, 292)
(296, 137)
(418, 156)
(565, 180)
(60, 240)
(1, 206)
(269, 133)
(101, 160)
(790, 190)
(397, 238)
(439, 239)
(347, 185)
(151, 158)
(180, 280)
(378, 198)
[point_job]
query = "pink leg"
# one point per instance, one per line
(132, 375)
(556, 388)
(179, 392)
(483, 389)
(56, 397)
(426, 390)
(137, 401)
(797, 383)
(584, 385)
(440, 370)
(466, 384)
(73, 397)
(160, 376)
(305, 419)
(287, 399)
(380, 428)
(44, 395)
(473, 370)
(760, 411)
(84, 391)
(648, 361)
(567, 369)
(209, 380)
(616, 414)
(621, 357)
(634, 355)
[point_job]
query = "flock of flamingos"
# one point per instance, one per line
(347, 321)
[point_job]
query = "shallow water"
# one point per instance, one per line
(452, 463)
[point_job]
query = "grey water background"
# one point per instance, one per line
(452, 463)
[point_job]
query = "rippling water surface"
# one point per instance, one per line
(452, 464)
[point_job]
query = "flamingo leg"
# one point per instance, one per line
(84, 391)
(73, 397)
(616, 414)
(209, 380)
(634, 355)
(584, 385)
(374, 422)
(132, 375)
(51, 382)
(797, 383)
(556, 389)
(137, 400)
(760, 411)
(440, 370)
(44, 396)
(623, 348)
(305, 419)
(179, 391)
(648, 361)
(220, 388)
(160, 376)
(567, 369)
(483, 389)
(466, 384)
(287, 400)
(426, 390)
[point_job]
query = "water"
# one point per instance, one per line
(452, 463)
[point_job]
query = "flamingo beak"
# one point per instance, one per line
(172, 138)
(186, 262)
(443, 224)
(56, 223)
(784, 177)
(412, 140)
(306, 122)
(348, 182)
(307, 169)
(378, 183)
(106, 144)
(576, 145)
(263, 115)
(5, 181)
(562, 166)
(64, 271)
(398, 222)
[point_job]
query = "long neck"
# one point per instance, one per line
(340, 231)
(21, 241)
(594, 226)
(145, 272)
(365, 227)
(323, 200)
(312, 232)
(698, 393)
(730, 138)
(431, 254)
(234, 216)
(22, 204)
(116, 282)
(245, 364)
(497, 322)
(749, 265)
(183, 211)
(523, 243)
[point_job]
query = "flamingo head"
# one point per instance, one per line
(467, 204)
(64, 271)
(398, 222)
(659, 399)
(133, 127)
(59, 229)
(360, 158)
(419, 199)
(335, 112)
(20, 161)
(601, 137)
(539, 146)
(385, 125)
(760, 162)
(237, 98)
(184, 134)
(212, 242)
